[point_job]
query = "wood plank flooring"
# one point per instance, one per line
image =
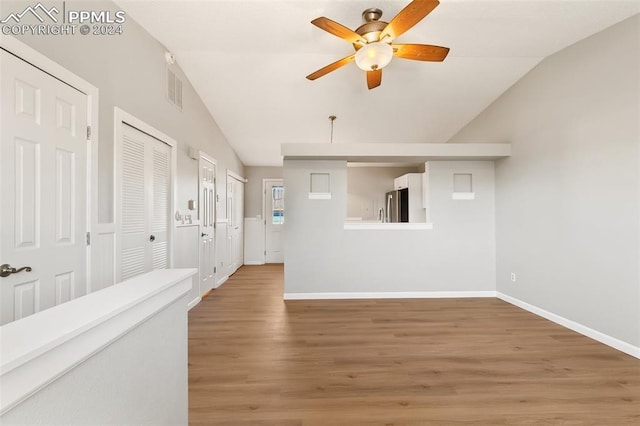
(257, 360)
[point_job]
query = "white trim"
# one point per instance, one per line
(222, 281)
(319, 195)
(187, 225)
(572, 325)
(233, 266)
(265, 183)
(104, 261)
(222, 221)
(193, 303)
(389, 295)
(253, 262)
(359, 226)
(18, 48)
(395, 152)
(62, 337)
(463, 196)
(203, 156)
(123, 117)
(236, 176)
(37, 59)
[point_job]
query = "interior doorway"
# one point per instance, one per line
(44, 187)
(274, 217)
(207, 216)
(145, 174)
(235, 218)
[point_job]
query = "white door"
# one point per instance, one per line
(145, 202)
(274, 221)
(207, 213)
(235, 215)
(43, 188)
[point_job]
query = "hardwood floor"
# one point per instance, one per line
(257, 360)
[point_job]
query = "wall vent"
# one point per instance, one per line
(174, 89)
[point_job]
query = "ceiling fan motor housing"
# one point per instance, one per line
(371, 14)
(373, 53)
(372, 26)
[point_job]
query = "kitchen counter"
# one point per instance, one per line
(372, 225)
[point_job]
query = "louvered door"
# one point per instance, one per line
(144, 202)
(159, 215)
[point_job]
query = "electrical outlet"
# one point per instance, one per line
(513, 277)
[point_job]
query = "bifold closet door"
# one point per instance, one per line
(145, 203)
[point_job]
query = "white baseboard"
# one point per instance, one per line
(389, 295)
(193, 303)
(222, 281)
(254, 262)
(618, 344)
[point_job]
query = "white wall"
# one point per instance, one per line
(188, 257)
(122, 384)
(567, 202)
(456, 255)
(367, 186)
(253, 188)
(130, 72)
(123, 361)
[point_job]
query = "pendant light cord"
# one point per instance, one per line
(332, 119)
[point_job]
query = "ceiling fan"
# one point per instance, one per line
(373, 41)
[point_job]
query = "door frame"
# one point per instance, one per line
(19, 49)
(233, 175)
(265, 182)
(203, 156)
(122, 117)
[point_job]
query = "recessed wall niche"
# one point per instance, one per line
(463, 186)
(319, 186)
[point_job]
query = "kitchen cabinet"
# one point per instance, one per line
(402, 182)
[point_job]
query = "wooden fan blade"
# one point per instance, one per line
(420, 52)
(331, 67)
(413, 13)
(338, 30)
(374, 78)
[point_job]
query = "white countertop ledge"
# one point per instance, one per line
(37, 349)
(362, 226)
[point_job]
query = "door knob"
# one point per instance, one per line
(6, 270)
(152, 238)
(204, 235)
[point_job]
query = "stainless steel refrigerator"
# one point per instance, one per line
(397, 206)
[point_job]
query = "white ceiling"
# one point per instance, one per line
(248, 61)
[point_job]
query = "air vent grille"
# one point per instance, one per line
(174, 89)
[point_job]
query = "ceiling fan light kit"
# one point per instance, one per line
(374, 56)
(373, 40)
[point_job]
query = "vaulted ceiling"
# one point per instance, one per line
(248, 61)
